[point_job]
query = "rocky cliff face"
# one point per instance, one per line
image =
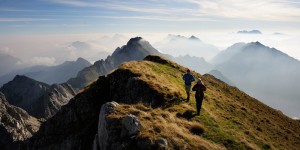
(51, 102)
(150, 94)
(135, 49)
(38, 99)
(15, 124)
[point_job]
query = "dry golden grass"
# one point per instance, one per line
(179, 132)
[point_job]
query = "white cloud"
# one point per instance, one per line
(49, 61)
(267, 10)
(161, 18)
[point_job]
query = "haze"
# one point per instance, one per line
(49, 32)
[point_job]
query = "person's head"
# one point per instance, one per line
(188, 71)
(199, 81)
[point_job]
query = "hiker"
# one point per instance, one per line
(188, 79)
(199, 95)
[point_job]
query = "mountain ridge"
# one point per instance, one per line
(135, 49)
(230, 118)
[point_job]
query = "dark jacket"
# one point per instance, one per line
(188, 79)
(199, 88)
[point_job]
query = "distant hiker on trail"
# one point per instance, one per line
(199, 88)
(188, 79)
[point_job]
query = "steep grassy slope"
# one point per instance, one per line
(230, 119)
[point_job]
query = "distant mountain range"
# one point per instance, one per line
(260, 71)
(38, 99)
(263, 72)
(177, 45)
(249, 32)
(135, 49)
(49, 74)
(194, 63)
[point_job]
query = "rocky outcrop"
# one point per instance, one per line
(15, 124)
(135, 49)
(122, 132)
(38, 99)
(51, 102)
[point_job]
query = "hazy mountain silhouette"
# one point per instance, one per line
(193, 63)
(177, 45)
(249, 32)
(49, 74)
(38, 99)
(265, 73)
(227, 54)
(151, 91)
(8, 63)
(219, 75)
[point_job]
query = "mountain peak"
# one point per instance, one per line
(254, 45)
(134, 40)
(257, 43)
(194, 38)
(18, 79)
(83, 61)
(136, 49)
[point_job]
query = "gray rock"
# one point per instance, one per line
(131, 125)
(161, 143)
(15, 123)
(103, 133)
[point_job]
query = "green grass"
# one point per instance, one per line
(230, 117)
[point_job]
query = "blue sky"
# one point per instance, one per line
(37, 31)
(90, 16)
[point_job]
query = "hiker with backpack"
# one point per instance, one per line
(199, 95)
(188, 79)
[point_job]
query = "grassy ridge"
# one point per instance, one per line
(230, 118)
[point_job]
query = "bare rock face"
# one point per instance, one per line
(131, 125)
(120, 132)
(38, 99)
(103, 133)
(15, 124)
(51, 102)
